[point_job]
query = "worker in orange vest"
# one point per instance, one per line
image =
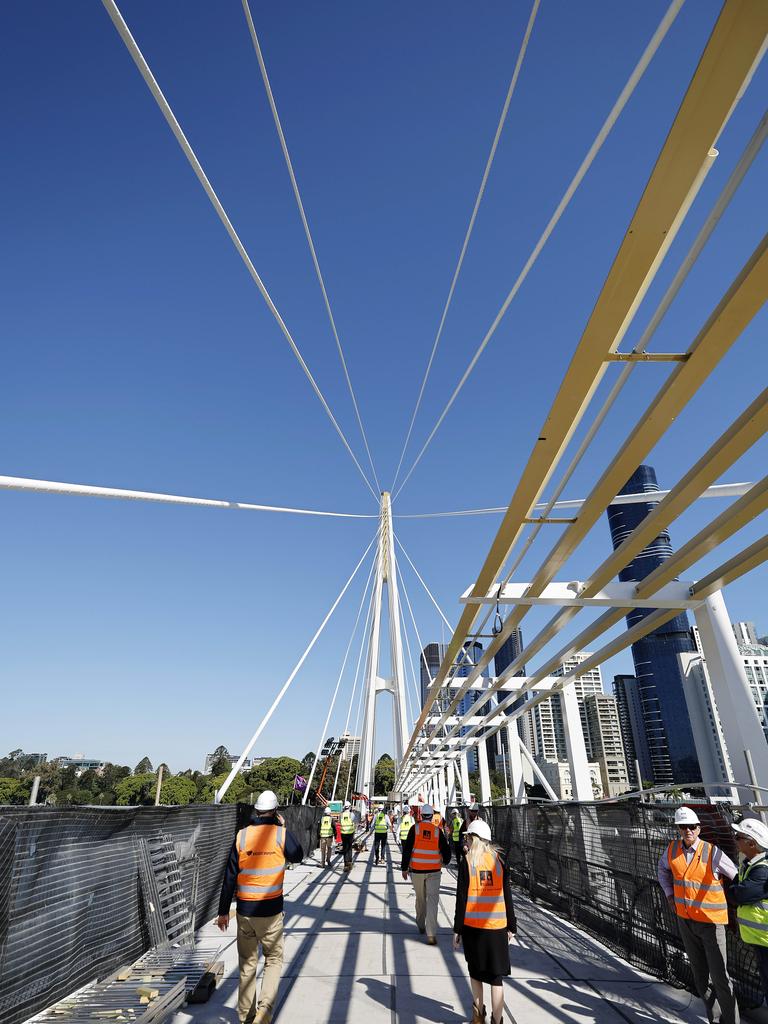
(255, 870)
(425, 850)
(690, 872)
(484, 920)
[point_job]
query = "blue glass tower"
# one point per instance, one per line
(659, 679)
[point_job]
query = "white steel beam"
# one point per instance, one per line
(725, 67)
(568, 595)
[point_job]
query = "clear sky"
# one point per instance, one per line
(137, 352)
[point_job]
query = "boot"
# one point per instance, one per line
(499, 1020)
(478, 1014)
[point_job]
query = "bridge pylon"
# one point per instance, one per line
(394, 683)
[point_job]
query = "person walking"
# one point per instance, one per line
(749, 893)
(425, 850)
(690, 872)
(458, 831)
(326, 838)
(347, 823)
(382, 825)
(255, 871)
(406, 824)
(484, 921)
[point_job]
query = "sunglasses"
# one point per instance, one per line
(688, 828)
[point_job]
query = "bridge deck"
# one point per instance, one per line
(352, 954)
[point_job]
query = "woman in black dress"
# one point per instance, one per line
(485, 919)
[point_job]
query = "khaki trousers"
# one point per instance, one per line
(705, 945)
(426, 885)
(253, 932)
(326, 849)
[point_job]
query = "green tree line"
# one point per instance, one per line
(121, 785)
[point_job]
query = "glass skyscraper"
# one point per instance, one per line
(659, 679)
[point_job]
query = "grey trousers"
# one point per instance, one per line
(705, 945)
(426, 885)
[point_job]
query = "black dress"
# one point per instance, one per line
(486, 949)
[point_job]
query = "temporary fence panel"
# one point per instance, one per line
(597, 865)
(71, 899)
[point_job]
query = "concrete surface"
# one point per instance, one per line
(353, 956)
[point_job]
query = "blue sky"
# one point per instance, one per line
(137, 352)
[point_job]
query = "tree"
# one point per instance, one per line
(13, 791)
(221, 764)
(237, 791)
(137, 789)
(275, 773)
(177, 790)
(383, 775)
(144, 766)
(306, 763)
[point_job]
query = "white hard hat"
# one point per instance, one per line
(347, 805)
(427, 810)
(686, 816)
(753, 828)
(481, 829)
(475, 808)
(327, 811)
(267, 801)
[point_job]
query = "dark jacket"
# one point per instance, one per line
(256, 908)
(462, 888)
(445, 850)
(754, 888)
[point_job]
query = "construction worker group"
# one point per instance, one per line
(698, 879)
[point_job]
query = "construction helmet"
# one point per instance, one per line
(327, 811)
(347, 805)
(267, 801)
(427, 811)
(686, 816)
(481, 829)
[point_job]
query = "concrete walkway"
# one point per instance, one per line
(353, 956)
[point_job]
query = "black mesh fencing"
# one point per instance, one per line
(71, 907)
(596, 864)
(304, 822)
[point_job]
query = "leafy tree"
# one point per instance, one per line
(13, 791)
(275, 773)
(177, 790)
(306, 762)
(383, 775)
(221, 764)
(238, 790)
(136, 789)
(144, 766)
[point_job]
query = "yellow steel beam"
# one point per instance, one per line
(725, 66)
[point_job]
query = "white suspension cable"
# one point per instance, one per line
(430, 595)
(249, 747)
(358, 716)
(467, 236)
(138, 58)
(716, 491)
(412, 666)
(19, 483)
(632, 82)
(354, 687)
(307, 232)
(324, 730)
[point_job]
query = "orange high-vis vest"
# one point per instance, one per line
(485, 897)
(261, 862)
(426, 854)
(699, 895)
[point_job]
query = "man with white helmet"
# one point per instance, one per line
(255, 870)
(425, 850)
(750, 893)
(326, 837)
(347, 822)
(690, 873)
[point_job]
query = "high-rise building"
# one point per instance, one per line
(558, 775)
(754, 657)
(633, 737)
(431, 658)
(605, 747)
(589, 682)
(547, 722)
(509, 651)
(745, 632)
(350, 747)
(659, 677)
